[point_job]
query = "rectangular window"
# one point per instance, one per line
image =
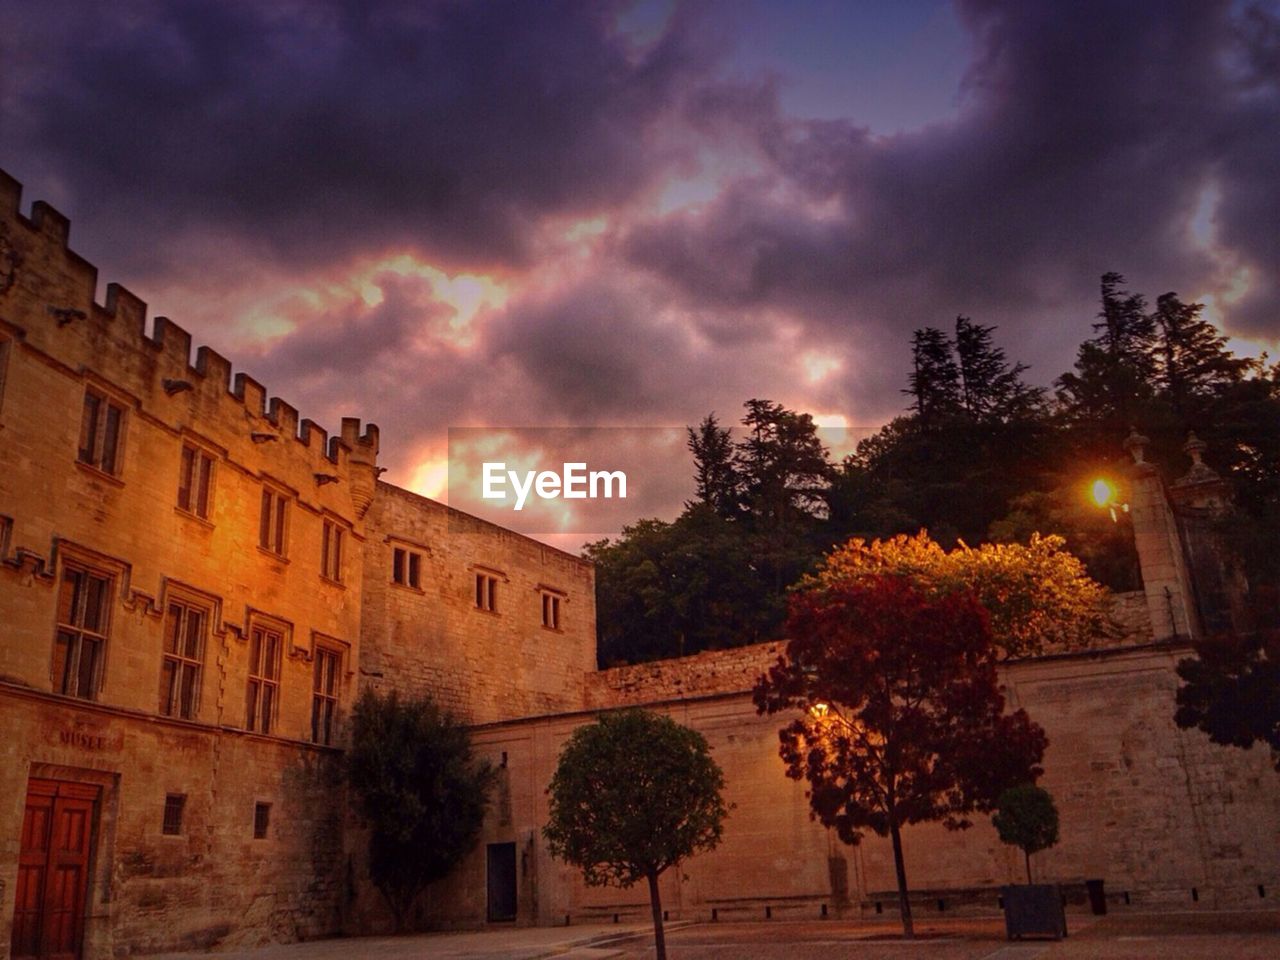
(173, 804)
(324, 696)
(406, 568)
(261, 820)
(193, 481)
(265, 646)
(331, 552)
(80, 646)
(271, 524)
(486, 592)
(100, 429)
(184, 632)
(551, 611)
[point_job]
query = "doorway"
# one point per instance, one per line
(53, 870)
(502, 882)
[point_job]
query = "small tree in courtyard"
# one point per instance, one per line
(634, 794)
(419, 792)
(902, 716)
(1027, 818)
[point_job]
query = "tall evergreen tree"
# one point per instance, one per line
(1115, 369)
(782, 464)
(935, 377)
(991, 388)
(1191, 358)
(714, 473)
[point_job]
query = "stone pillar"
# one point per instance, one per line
(1200, 499)
(1165, 577)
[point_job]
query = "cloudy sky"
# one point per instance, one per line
(435, 214)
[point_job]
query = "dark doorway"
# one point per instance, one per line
(53, 870)
(502, 882)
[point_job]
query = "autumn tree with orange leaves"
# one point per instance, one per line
(1038, 595)
(902, 719)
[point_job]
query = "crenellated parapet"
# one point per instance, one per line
(48, 305)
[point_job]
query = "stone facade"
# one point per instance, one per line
(145, 496)
(433, 638)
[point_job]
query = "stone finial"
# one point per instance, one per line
(1137, 445)
(1200, 471)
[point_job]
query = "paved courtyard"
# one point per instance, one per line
(1203, 936)
(1207, 935)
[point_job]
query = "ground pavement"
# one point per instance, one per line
(1204, 935)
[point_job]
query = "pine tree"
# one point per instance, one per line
(1115, 369)
(990, 387)
(1191, 359)
(782, 464)
(935, 376)
(717, 480)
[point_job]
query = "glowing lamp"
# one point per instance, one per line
(819, 710)
(1104, 494)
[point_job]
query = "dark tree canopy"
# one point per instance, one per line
(634, 794)
(417, 789)
(1231, 690)
(1027, 818)
(981, 455)
(902, 719)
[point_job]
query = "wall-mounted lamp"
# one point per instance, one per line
(1104, 495)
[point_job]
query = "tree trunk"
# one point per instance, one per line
(904, 905)
(655, 901)
(1027, 854)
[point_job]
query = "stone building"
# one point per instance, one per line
(195, 583)
(185, 571)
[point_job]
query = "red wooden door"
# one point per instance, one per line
(53, 870)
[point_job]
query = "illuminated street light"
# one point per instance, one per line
(819, 710)
(1104, 495)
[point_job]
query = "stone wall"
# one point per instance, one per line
(483, 665)
(213, 883)
(128, 523)
(1163, 816)
(708, 673)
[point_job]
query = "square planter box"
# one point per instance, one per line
(1034, 910)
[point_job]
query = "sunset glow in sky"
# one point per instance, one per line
(435, 214)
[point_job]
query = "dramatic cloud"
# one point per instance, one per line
(435, 214)
(312, 130)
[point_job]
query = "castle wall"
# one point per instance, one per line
(124, 524)
(1161, 815)
(214, 884)
(432, 638)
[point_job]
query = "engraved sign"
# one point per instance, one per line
(81, 736)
